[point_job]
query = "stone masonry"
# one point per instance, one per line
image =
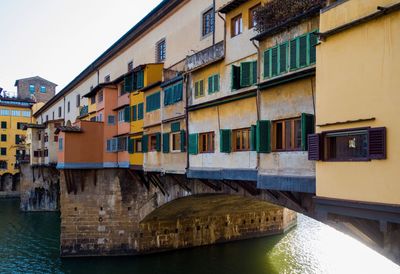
(23, 91)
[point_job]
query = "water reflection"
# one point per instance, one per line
(29, 243)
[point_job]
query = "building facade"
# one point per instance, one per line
(35, 88)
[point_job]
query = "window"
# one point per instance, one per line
(42, 89)
(252, 17)
(112, 145)
(213, 84)
(176, 142)
(139, 79)
(20, 125)
(4, 112)
(140, 111)
(286, 135)
(39, 136)
(208, 22)
(244, 75)
(53, 115)
(18, 139)
(153, 142)
(3, 165)
(16, 113)
(236, 26)
(350, 145)
(291, 55)
(55, 138)
(107, 78)
(199, 89)
(59, 112)
(60, 144)
(161, 48)
(100, 118)
(93, 100)
(111, 119)
(32, 89)
(4, 137)
(100, 96)
(173, 94)
(26, 114)
(241, 139)
(121, 116)
(138, 145)
(206, 142)
(3, 151)
(122, 144)
(130, 66)
(68, 106)
(3, 124)
(78, 100)
(153, 102)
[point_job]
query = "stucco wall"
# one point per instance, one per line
(357, 78)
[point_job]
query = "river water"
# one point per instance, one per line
(29, 243)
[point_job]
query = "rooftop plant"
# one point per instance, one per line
(277, 12)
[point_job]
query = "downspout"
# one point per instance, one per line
(258, 98)
(185, 82)
(64, 111)
(214, 22)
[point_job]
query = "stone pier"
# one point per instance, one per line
(118, 212)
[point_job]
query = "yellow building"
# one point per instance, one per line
(14, 114)
(141, 78)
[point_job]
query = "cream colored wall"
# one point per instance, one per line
(174, 162)
(152, 159)
(357, 78)
(226, 116)
(282, 102)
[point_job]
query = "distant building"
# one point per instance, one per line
(36, 88)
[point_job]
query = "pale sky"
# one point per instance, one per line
(57, 39)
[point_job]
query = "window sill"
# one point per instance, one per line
(348, 160)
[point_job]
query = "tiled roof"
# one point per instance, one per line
(70, 129)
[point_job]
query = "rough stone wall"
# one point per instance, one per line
(39, 188)
(102, 213)
(24, 93)
(9, 186)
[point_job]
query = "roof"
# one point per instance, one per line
(96, 89)
(16, 102)
(231, 5)
(150, 19)
(70, 129)
(36, 78)
(26, 126)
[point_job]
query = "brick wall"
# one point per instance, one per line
(23, 89)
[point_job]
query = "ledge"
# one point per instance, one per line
(289, 77)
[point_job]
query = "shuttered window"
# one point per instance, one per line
(134, 113)
(248, 74)
(127, 114)
(173, 94)
(348, 145)
(193, 143)
(307, 128)
(290, 55)
(140, 111)
(213, 83)
(140, 79)
(183, 140)
(263, 136)
(175, 127)
(129, 82)
(235, 77)
(130, 146)
(199, 89)
(153, 102)
(165, 142)
(145, 143)
(225, 140)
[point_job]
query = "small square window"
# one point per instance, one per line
(3, 151)
(252, 16)
(3, 137)
(100, 96)
(206, 142)
(107, 78)
(176, 142)
(138, 145)
(32, 89)
(130, 66)
(199, 89)
(111, 120)
(3, 124)
(43, 89)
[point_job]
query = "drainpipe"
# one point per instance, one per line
(214, 22)
(258, 91)
(223, 19)
(185, 82)
(64, 111)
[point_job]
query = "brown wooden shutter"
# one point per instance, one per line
(314, 147)
(377, 143)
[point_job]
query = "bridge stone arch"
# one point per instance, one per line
(104, 211)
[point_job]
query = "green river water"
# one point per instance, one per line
(29, 243)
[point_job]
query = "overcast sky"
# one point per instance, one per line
(57, 39)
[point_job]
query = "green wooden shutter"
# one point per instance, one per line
(127, 114)
(158, 142)
(307, 127)
(165, 143)
(293, 54)
(283, 58)
(313, 50)
(267, 63)
(254, 73)
(128, 84)
(145, 143)
(253, 138)
(193, 144)
(178, 92)
(196, 89)
(245, 74)
(210, 84)
(183, 141)
(201, 88)
(134, 113)
(175, 127)
(140, 111)
(130, 146)
(303, 51)
(274, 61)
(225, 140)
(216, 82)
(235, 77)
(263, 136)
(140, 79)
